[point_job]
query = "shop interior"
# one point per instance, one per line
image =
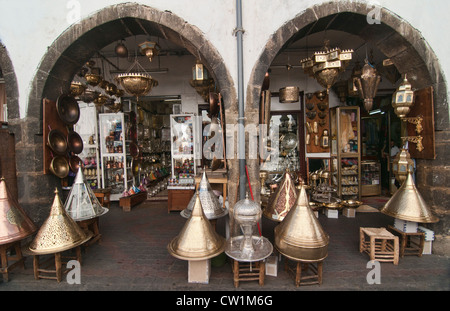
(129, 140)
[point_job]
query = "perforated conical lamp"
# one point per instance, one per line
(82, 204)
(59, 232)
(210, 203)
(197, 239)
(282, 200)
(300, 236)
(15, 225)
(407, 204)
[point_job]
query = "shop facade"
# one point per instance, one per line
(393, 37)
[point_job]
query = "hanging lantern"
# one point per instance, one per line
(59, 232)
(137, 84)
(402, 164)
(407, 204)
(150, 49)
(15, 225)
(121, 50)
(352, 85)
(300, 236)
(210, 203)
(325, 66)
(82, 204)
(201, 81)
(248, 247)
(403, 99)
(197, 239)
(367, 85)
(282, 200)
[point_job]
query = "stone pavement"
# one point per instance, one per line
(133, 256)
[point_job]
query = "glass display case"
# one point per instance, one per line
(115, 158)
(346, 151)
(87, 128)
(183, 150)
(370, 178)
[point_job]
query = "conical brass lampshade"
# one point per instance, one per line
(197, 240)
(15, 225)
(282, 200)
(210, 203)
(82, 204)
(59, 232)
(407, 204)
(300, 236)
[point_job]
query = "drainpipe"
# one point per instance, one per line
(241, 132)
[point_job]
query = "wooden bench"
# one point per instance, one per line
(18, 259)
(128, 202)
(380, 244)
(248, 271)
(305, 273)
(103, 196)
(407, 245)
(42, 269)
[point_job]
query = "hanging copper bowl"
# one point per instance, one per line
(93, 79)
(57, 142)
(88, 96)
(59, 166)
(74, 164)
(76, 89)
(111, 89)
(68, 109)
(74, 142)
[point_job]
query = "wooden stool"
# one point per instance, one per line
(248, 271)
(302, 268)
(91, 225)
(18, 258)
(103, 196)
(380, 244)
(41, 269)
(407, 245)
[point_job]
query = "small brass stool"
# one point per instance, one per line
(18, 258)
(42, 271)
(302, 269)
(248, 271)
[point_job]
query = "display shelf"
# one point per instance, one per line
(346, 151)
(370, 178)
(115, 158)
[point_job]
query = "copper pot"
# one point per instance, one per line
(89, 96)
(59, 166)
(74, 142)
(68, 109)
(57, 142)
(74, 163)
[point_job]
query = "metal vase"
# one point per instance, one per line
(282, 200)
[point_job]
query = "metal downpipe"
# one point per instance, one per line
(241, 124)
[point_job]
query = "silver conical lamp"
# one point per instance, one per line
(82, 204)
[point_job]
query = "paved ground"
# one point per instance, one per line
(132, 256)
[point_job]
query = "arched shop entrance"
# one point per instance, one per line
(347, 27)
(81, 43)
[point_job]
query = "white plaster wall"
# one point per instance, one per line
(27, 28)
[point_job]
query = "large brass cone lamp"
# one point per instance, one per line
(368, 85)
(82, 204)
(282, 200)
(59, 232)
(407, 204)
(300, 236)
(197, 239)
(15, 225)
(210, 203)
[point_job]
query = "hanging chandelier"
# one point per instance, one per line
(325, 66)
(150, 49)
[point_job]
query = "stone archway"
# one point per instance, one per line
(410, 53)
(12, 90)
(70, 51)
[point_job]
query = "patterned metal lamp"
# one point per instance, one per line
(201, 81)
(150, 49)
(403, 99)
(368, 84)
(402, 164)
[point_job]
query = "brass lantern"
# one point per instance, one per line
(402, 164)
(368, 84)
(201, 81)
(289, 94)
(150, 49)
(403, 99)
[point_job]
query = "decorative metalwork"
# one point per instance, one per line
(407, 204)
(368, 84)
(403, 99)
(59, 232)
(17, 225)
(282, 200)
(150, 49)
(289, 94)
(417, 121)
(416, 140)
(300, 236)
(197, 239)
(402, 164)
